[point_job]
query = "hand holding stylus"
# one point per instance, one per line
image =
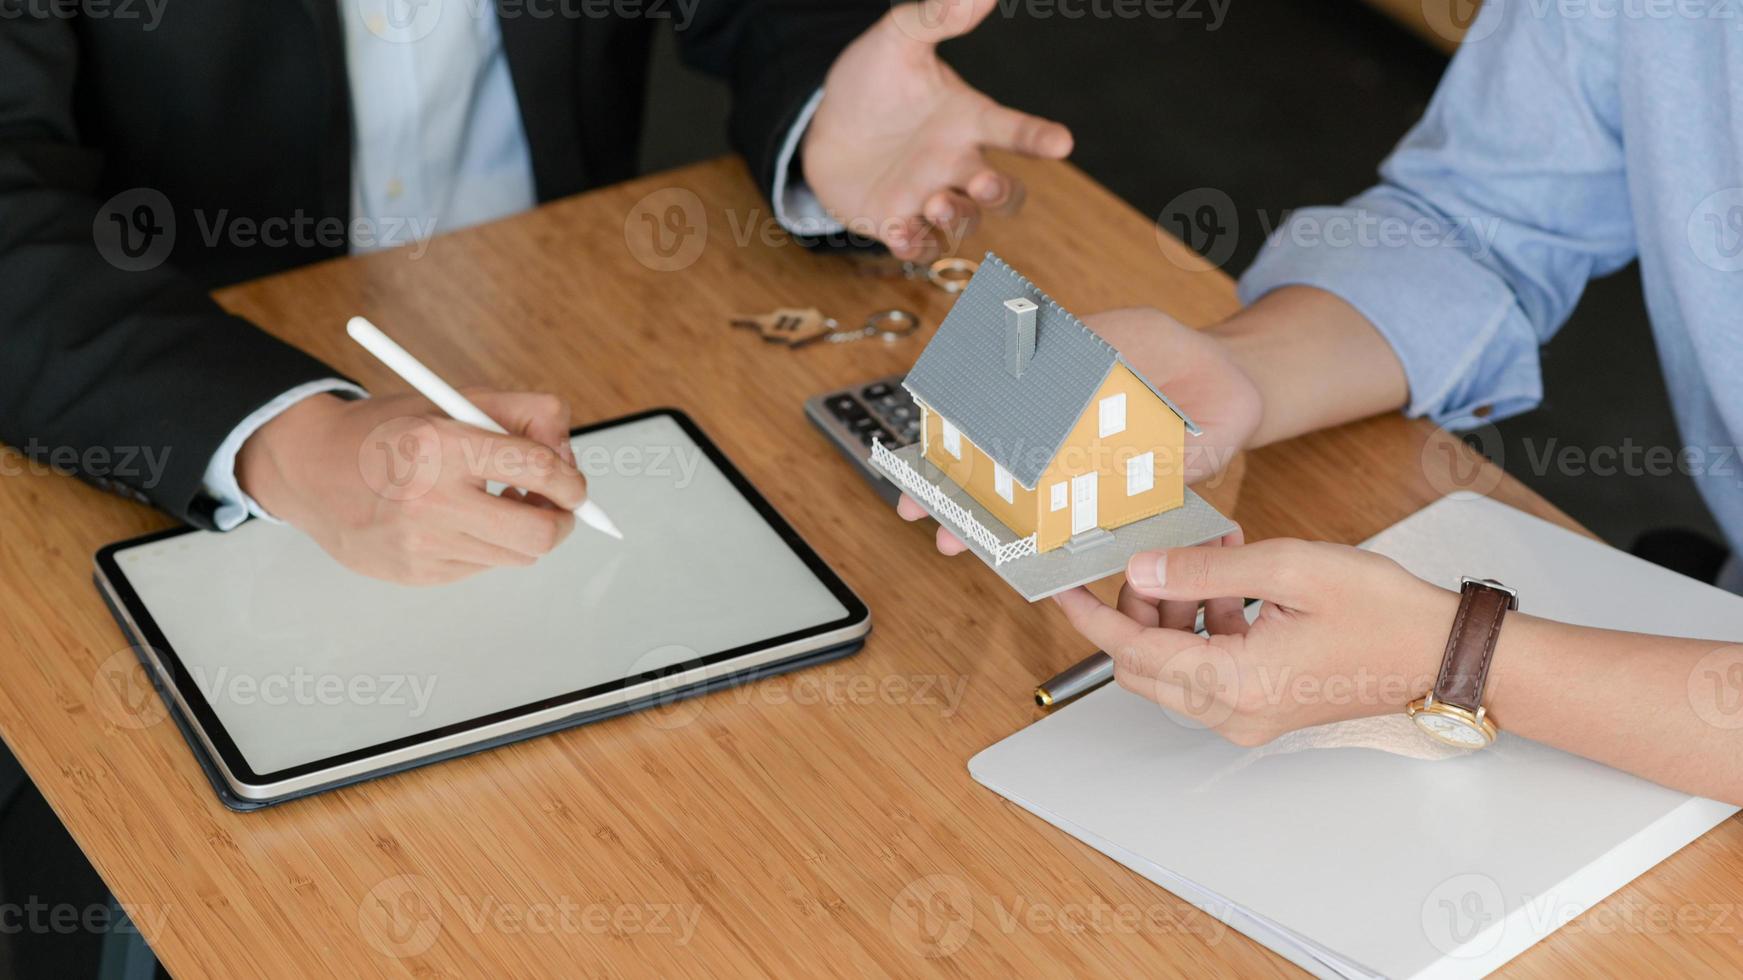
(393, 488)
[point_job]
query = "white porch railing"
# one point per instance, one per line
(939, 502)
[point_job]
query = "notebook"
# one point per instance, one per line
(1355, 862)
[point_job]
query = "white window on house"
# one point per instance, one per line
(1002, 482)
(1113, 415)
(1060, 496)
(1140, 474)
(952, 439)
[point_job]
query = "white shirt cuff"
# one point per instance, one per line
(796, 208)
(220, 481)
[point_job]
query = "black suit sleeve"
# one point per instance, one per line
(107, 353)
(774, 53)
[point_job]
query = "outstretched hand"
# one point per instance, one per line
(895, 147)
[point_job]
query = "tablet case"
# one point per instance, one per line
(237, 803)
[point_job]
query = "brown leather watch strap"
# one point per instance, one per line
(1477, 627)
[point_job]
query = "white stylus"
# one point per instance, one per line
(450, 401)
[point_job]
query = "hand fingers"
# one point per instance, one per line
(1280, 570)
(516, 461)
(478, 551)
(540, 417)
(1158, 654)
(953, 216)
(932, 21)
(1020, 132)
(910, 240)
(1226, 615)
(910, 509)
(949, 543)
(996, 192)
(522, 528)
(1139, 609)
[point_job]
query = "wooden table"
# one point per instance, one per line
(817, 824)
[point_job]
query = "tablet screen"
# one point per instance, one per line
(302, 660)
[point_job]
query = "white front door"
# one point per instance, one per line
(1083, 503)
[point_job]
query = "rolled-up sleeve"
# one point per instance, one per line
(1490, 218)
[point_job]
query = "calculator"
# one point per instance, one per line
(853, 417)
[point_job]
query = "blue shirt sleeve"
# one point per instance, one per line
(1490, 218)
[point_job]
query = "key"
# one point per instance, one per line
(789, 325)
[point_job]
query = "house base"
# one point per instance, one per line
(1037, 576)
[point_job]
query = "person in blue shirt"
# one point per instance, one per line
(1557, 148)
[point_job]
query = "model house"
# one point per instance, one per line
(1040, 421)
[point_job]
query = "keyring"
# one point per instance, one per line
(952, 273)
(893, 325)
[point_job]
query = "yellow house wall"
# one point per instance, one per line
(1150, 426)
(974, 473)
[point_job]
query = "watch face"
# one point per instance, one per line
(1453, 731)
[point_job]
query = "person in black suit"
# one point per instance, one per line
(152, 151)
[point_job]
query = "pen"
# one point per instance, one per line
(451, 402)
(1092, 671)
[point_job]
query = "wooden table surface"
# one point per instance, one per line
(820, 823)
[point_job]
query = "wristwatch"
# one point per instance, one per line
(1452, 711)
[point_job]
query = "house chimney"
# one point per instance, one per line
(1019, 335)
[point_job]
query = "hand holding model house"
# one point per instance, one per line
(1049, 452)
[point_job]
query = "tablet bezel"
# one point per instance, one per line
(440, 742)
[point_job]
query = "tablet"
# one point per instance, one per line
(291, 674)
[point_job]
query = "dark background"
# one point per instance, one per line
(1286, 103)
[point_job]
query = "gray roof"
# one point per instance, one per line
(1020, 422)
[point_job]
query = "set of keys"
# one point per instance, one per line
(798, 326)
